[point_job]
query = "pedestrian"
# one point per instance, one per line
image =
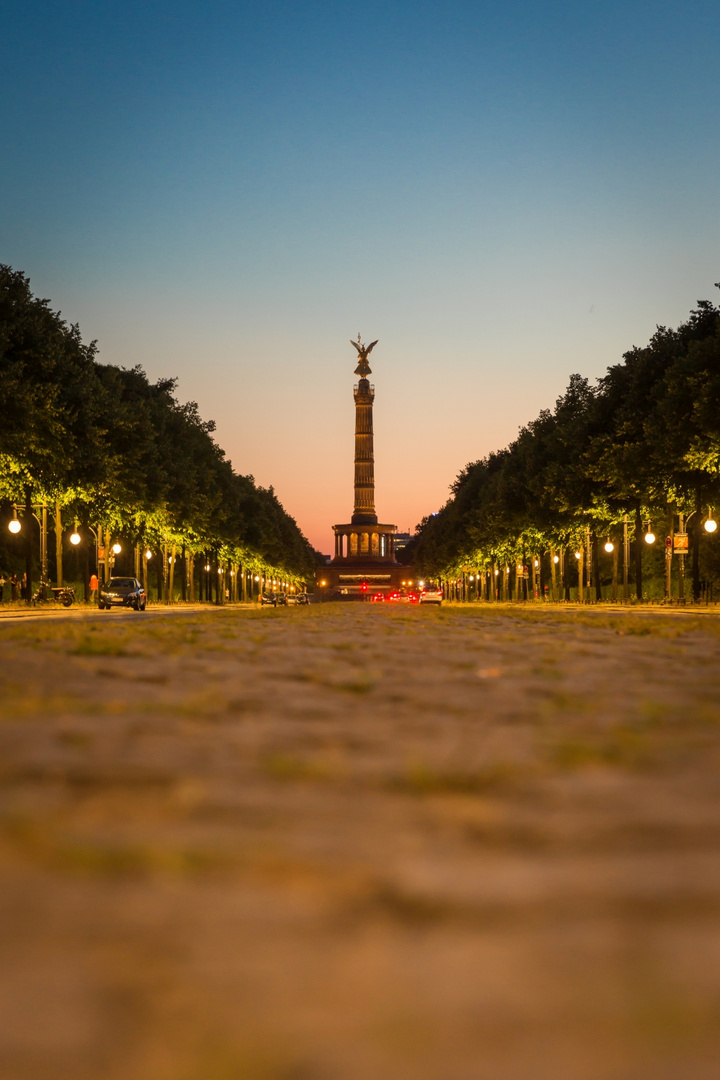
(14, 587)
(2, 588)
(24, 595)
(93, 588)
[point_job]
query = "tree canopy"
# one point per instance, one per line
(111, 446)
(643, 441)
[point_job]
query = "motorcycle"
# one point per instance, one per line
(47, 594)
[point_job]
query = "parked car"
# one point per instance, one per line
(122, 592)
(268, 598)
(431, 594)
(400, 596)
(378, 598)
(298, 598)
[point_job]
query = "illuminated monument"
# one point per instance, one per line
(364, 561)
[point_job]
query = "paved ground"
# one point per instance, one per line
(349, 842)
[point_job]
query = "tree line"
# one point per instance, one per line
(104, 445)
(638, 451)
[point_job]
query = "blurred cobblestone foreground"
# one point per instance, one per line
(348, 842)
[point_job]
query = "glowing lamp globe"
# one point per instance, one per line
(578, 554)
(710, 525)
(75, 539)
(116, 549)
(148, 554)
(14, 526)
(556, 558)
(649, 537)
(609, 546)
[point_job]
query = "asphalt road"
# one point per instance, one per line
(13, 613)
(16, 613)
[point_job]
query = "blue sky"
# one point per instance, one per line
(503, 194)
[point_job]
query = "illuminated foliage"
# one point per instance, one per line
(113, 447)
(644, 442)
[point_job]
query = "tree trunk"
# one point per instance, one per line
(86, 572)
(171, 584)
(58, 548)
(615, 573)
(697, 533)
(109, 556)
(638, 553)
(28, 542)
(596, 567)
(183, 559)
(669, 554)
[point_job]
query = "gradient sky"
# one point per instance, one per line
(502, 193)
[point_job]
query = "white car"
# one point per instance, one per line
(431, 594)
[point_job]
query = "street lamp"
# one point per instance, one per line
(116, 549)
(710, 524)
(148, 554)
(609, 546)
(75, 536)
(15, 525)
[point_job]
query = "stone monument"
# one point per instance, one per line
(364, 562)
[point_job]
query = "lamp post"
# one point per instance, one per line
(15, 527)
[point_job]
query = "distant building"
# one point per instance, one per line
(402, 540)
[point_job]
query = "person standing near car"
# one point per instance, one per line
(93, 588)
(2, 588)
(14, 587)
